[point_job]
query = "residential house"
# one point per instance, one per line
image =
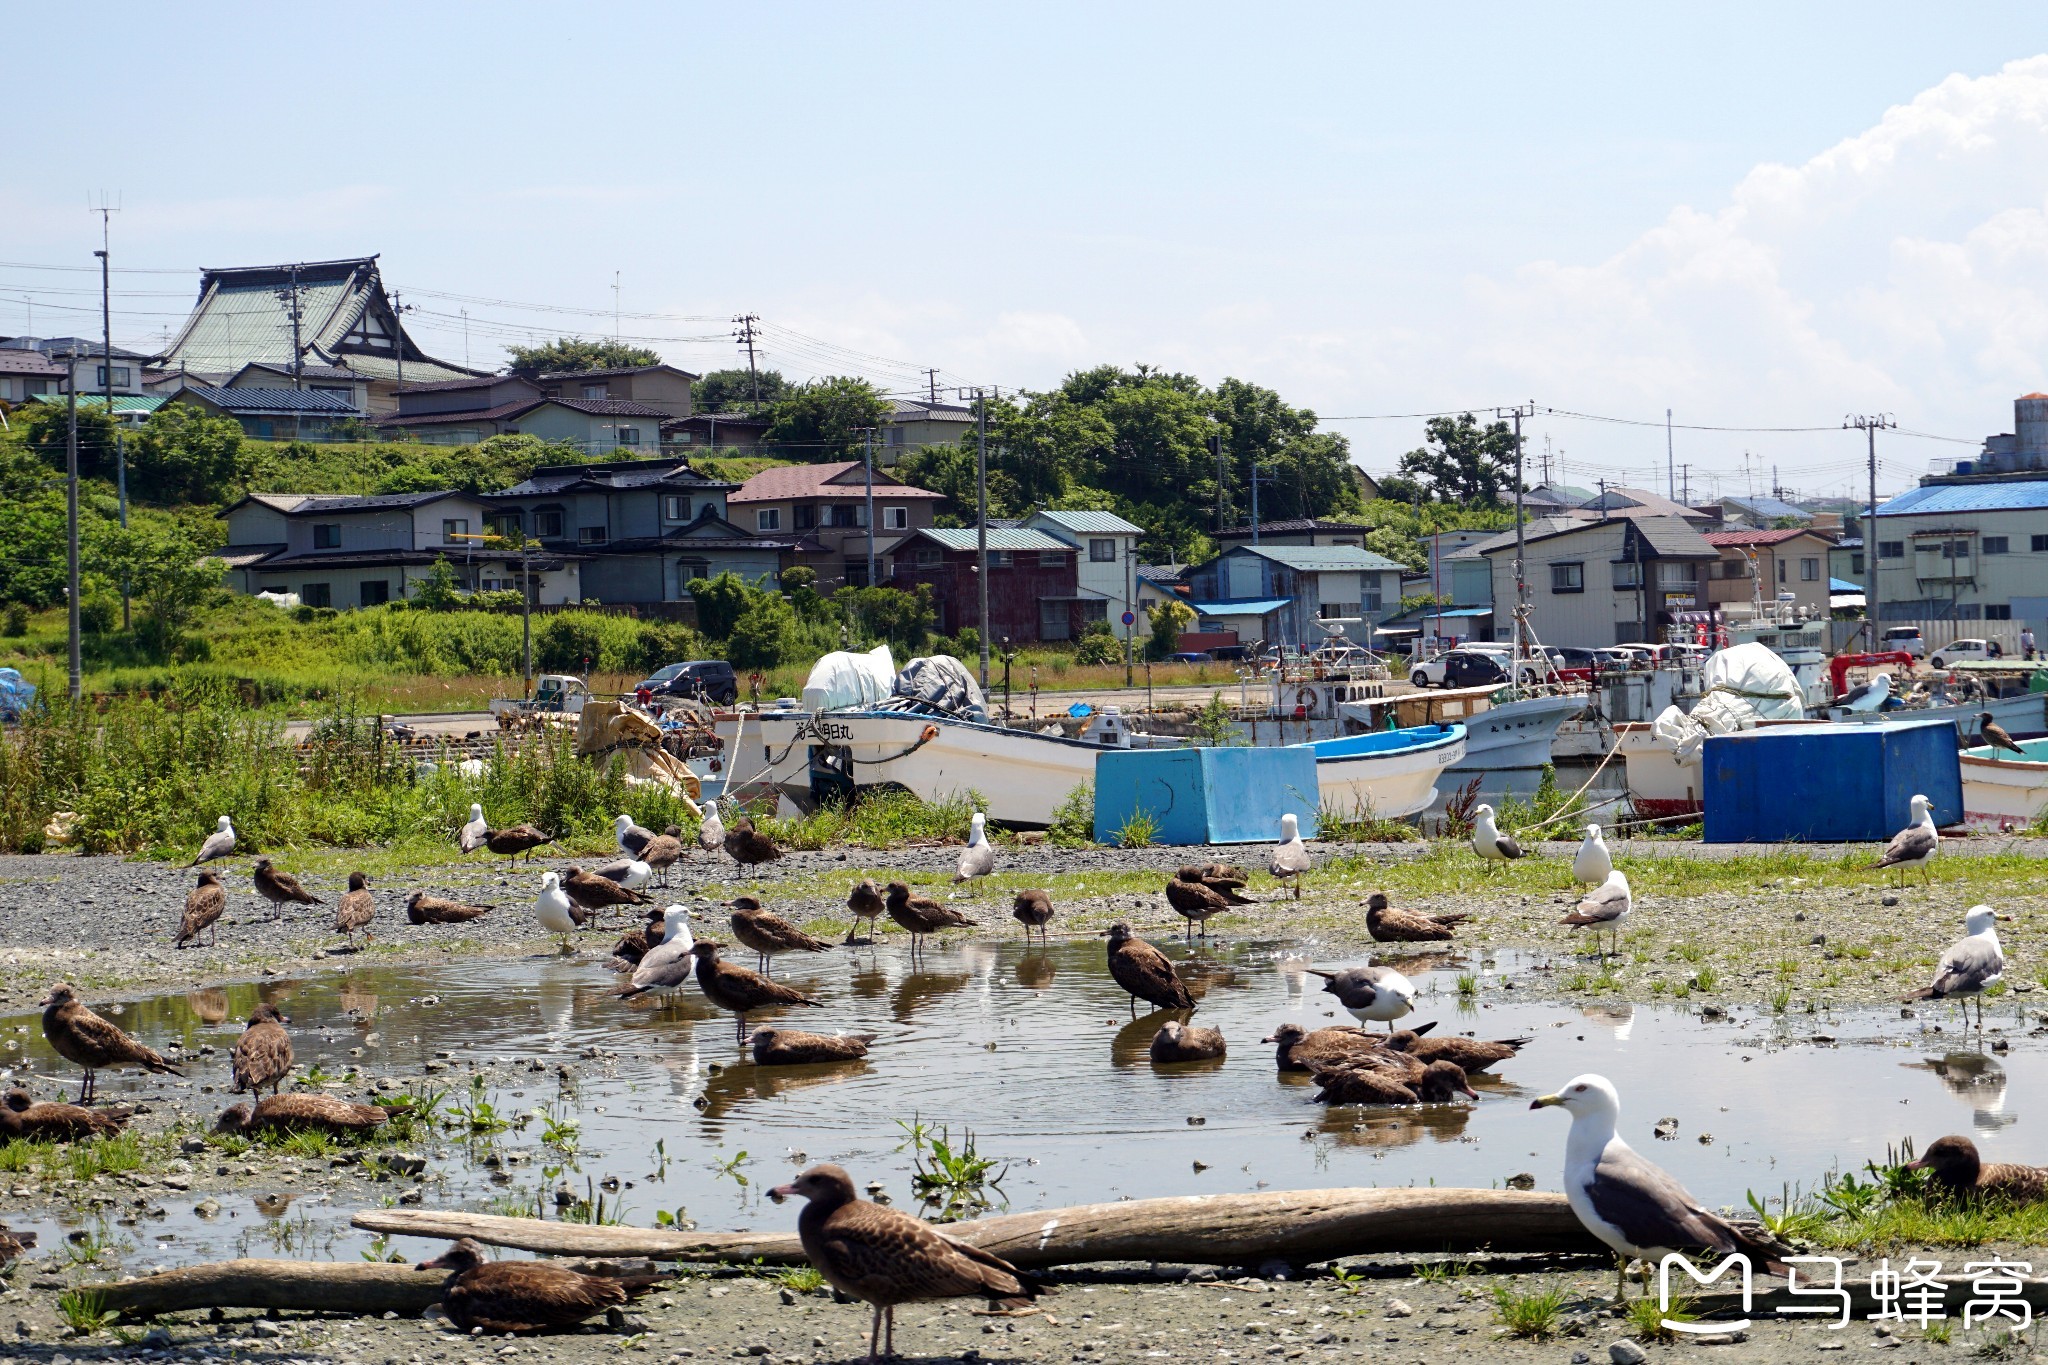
(829, 503)
(646, 529)
(345, 321)
(1971, 543)
(714, 433)
(651, 386)
(914, 424)
(1296, 531)
(1552, 499)
(1767, 566)
(352, 551)
(81, 364)
(27, 373)
(346, 385)
(1641, 502)
(272, 414)
(1595, 583)
(465, 411)
(1034, 592)
(1761, 512)
(1286, 593)
(1461, 582)
(1846, 562)
(1106, 560)
(130, 409)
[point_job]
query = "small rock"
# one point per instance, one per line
(788, 1297)
(1888, 899)
(1400, 1308)
(264, 1327)
(1720, 1338)
(1522, 1180)
(1581, 1358)
(156, 1339)
(207, 1208)
(1666, 1128)
(1626, 1353)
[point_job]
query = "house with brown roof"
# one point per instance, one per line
(26, 373)
(829, 502)
(713, 433)
(1765, 566)
(651, 386)
(465, 411)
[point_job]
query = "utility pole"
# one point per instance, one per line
(931, 384)
(71, 527)
(398, 312)
(289, 296)
(1518, 412)
(1216, 451)
(745, 334)
(465, 336)
(107, 388)
(615, 305)
(981, 520)
(1870, 424)
(868, 460)
(1670, 473)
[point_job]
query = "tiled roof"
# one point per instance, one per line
(724, 419)
(622, 369)
(306, 371)
(1719, 538)
(450, 385)
(1162, 574)
(312, 504)
(2008, 495)
(609, 407)
(1091, 523)
(1768, 507)
(903, 410)
(28, 362)
(258, 402)
(1639, 499)
(553, 479)
(1294, 526)
(1320, 558)
(963, 538)
(1673, 538)
(502, 412)
(84, 348)
(785, 482)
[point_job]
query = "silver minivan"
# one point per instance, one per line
(1906, 638)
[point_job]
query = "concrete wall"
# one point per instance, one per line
(1915, 586)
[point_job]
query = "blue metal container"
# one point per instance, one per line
(1206, 796)
(1828, 783)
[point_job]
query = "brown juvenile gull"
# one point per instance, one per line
(280, 889)
(794, 1047)
(1996, 736)
(1302, 1049)
(423, 907)
(1290, 860)
(667, 962)
(1354, 1082)
(514, 840)
(1472, 1054)
(663, 851)
(866, 904)
(23, 1117)
(263, 1056)
(356, 908)
(219, 844)
(1952, 1164)
(1606, 906)
(80, 1036)
(474, 831)
(1915, 845)
(768, 933)
(1033, 910)
(922, 915)
(1225, 879)
(1487, 840)
(1195, 902)
(732, 987)
(886, 1257)
(1389, 925)
(634, 943)
(525, 1297)
(13, 1244)
(1144, 972)
(1178, 1042)
(747, 846)
(203, 906)
(1970, 965)
(301, 1111)
(1372, 995)
(594, 893)
(978, 859)
(1631, 1204)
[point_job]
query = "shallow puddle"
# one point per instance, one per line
(1035, 1051)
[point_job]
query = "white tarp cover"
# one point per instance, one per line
(1756, 674)
(843, 679)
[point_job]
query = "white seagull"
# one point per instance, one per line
(630, 873)
(1630, 1203)
(711, 829)
(632, 837)
(1373, 995)
(978, 859)
(668, 963)
(471, 836)
(1915, 845)
(1290, 860)
(1606, 906)
(1870, 696)
(555, 912)
(1487, 840)
(1592, 862)
(219, 844)
(1971, 965)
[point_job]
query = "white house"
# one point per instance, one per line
(1107, 564)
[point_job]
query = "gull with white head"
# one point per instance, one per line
(555, 912)
(1971, 965)
(978, 859)
(1592, 862)
(1487, 840)
(471, 836)
(1915, 845)
(1290, 861)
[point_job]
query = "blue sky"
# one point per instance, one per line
(1754, 215)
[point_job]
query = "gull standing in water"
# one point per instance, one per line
(1915, 845)
(1631, 1204)
(667, 964)
(1592, 862)
(471, 836)
(1373, 995)
(1290, 860)
(1487, 840)
(555, 912)
(1971, 965)
(978, 859)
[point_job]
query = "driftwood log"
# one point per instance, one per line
(363, 1287)
(1297, 1226)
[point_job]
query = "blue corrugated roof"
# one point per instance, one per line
(1261, 606)
(2016, 495)
(1843, 585)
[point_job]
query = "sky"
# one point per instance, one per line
(1755, 216)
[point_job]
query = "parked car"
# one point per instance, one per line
(1435, 672)
(1906, 638)
(1955, 651)
(1231, 654)
(1576, 656)
(1192, 656)
(711, 680)
(1474, 668)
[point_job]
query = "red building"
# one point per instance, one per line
(1033, 582)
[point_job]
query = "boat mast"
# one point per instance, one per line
(1521, 548)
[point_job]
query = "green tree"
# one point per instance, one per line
(440, 590)
(721, 601)
(1168, 620)
(902, 619)
(821, 420)
(734, 390)
(182, 454)
(44, 429)
(171, 581)
(571, 354)
(1463, 462)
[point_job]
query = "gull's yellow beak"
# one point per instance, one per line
(1545, 1101)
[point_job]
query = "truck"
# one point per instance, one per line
(554, 694)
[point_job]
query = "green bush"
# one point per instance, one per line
(1099, 647)
(14, 624)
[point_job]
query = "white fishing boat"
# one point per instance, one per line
(1499, 734)
(2004, 791)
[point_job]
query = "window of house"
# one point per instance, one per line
(1784, 569)
(688, 569)
(547, 523)
(1732, 568)
(504, 523)
(1680, 573)
(1567, 578)
(375, 592)
(1054, 622)
(1000, 559)
(928, 556)
(2040, 545)
(120, 376)
(1809, 571)
(1337, 611)
(1896, 549)
(1997, 545)
(768, 518)
(1955, 549)
(803, 516)
(453, 528)
(895, 518)
(854, 573)
(1998, 611)
(327, 535)
(1101, 552)
(591, 535)
(1373, 601)
(1052, 559)
(629, 436)
(1628, 576)
(844, 514)
(675, 507)
(1856, 563)
(316, 594)
(596, 390)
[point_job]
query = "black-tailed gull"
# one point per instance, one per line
(471, 836)
(1606, 906)
(1290, 861)
(1487, 840)
(1373, 995)
(1971, 965)
(219, 844)
(1592, 862)
(1915, 845)
(978, 859)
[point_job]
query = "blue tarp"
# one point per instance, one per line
(1256, 606)
(16, 694)
(1843, 585)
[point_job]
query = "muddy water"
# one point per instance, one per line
(1035, 1051)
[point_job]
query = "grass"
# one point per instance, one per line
(883, 820)
(803, 1279)
(126, 1151)
(84, 1309)
(950, 1177)
(1141, 830)
(1646, 1317)
(1529, 1315)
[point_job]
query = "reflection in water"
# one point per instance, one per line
(1360, 1126)
(1620, 1018)
(920, 987)
(1035, 971)
(1978, 1080)
(208, 1005)
(728, 1088)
